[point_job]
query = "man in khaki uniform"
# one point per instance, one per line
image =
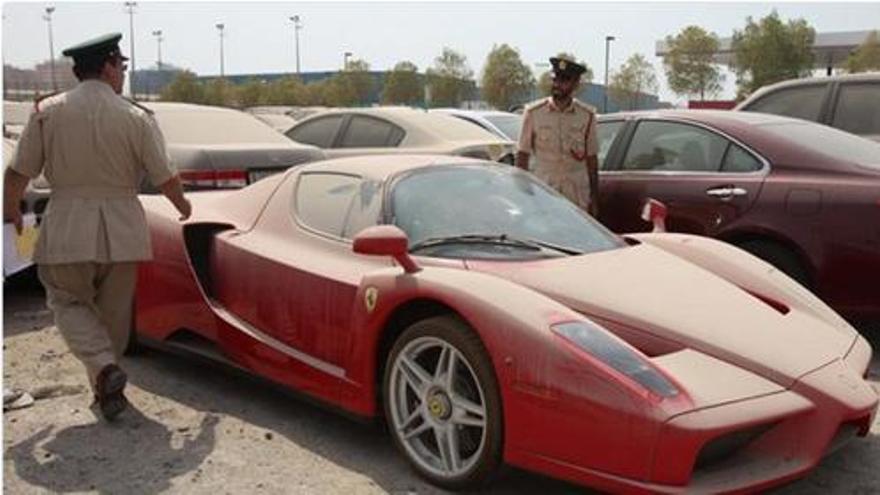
(561, 132)
(93, 147)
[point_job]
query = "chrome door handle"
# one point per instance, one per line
(726, 192)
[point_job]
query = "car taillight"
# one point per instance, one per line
(598, 345)
(214, 179)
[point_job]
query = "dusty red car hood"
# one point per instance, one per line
(655, 291)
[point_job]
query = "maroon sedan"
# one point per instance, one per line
(802, 196)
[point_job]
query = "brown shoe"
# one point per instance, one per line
(110, 384)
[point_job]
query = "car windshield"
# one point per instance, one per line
(829, 141)
(198, 126)
(510, 125)
(488, 211)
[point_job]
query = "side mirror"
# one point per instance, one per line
(655, 212)
(385, 240)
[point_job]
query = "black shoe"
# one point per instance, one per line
(109, 391)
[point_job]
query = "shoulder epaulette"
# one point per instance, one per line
(585, 106)
(41, 98)
(135, 103)
(538, 104)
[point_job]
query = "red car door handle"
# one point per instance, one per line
(726, 192)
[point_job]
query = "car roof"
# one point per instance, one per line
(808, 81)
(422, 128)
(717, 117)
(380, 167)
(475, 113)
(187, 123)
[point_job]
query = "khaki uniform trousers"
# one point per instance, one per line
(92, 304)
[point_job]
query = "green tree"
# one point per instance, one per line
(358, 80)
(769, 51)
(545, 81)
(286, 91)
(506, 79)
(867, 55)
(634, 78)
(338, 92)
(402, 85)
(688, 62)
(252, 93)
(219, 92)
(184, 88)
(449, 79)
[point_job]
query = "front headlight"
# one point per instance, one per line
(600, 345)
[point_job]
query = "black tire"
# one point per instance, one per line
(459, 335)
(780, 257)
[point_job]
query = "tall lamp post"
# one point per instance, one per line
(221, 27)
(345, 57)
(608, 40)
(158, 34)
(48, 18)
(131, 86)
(296, 27)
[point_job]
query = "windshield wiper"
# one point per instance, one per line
(498, 239)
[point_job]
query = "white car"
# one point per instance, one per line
(505, 125)
(382, 130)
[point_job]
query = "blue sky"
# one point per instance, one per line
(259, 35)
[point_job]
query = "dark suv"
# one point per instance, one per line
(848, 102)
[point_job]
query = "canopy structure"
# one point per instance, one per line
(830, 50)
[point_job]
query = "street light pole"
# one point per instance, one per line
(220, 27)
(608, 40)
(48, 18)
(131, 86)
(345, 57)
(158, 34)
(296, 27)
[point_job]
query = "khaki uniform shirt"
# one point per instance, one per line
(560, 141)
(93, 147)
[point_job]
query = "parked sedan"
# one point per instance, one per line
(505, 125)
(488, 320)
(850, 102)
(361, 131)
(221, 148)
(803, 196)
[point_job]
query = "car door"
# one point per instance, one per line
(366, 135)
(294, 277)
(706, 179)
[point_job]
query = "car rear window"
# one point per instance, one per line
(829, 141)
(858, 109)
(802, 102)
(215, 127)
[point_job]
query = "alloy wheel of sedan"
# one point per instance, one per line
(442, 408)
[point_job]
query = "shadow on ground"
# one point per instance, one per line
(79, 458)
(365, 448)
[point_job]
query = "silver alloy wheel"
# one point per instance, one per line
(438, 407)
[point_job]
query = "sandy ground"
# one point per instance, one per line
(200, 428)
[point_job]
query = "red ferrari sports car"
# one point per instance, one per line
(488, 320)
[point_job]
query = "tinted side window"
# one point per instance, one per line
(858, 108)
(802, 102)
(739, 160)
(668, 146)
(367, 132)
(606, 132)
(319, 132)
(322, 201)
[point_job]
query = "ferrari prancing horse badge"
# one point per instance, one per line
(371, 296)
